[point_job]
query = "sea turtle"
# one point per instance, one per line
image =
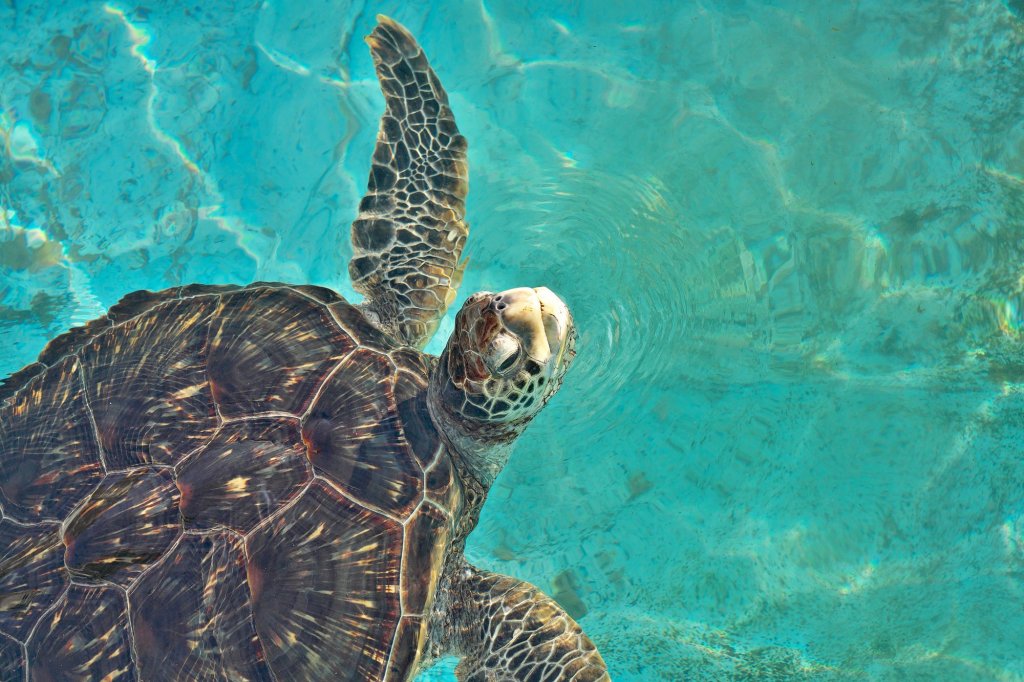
(267, 482)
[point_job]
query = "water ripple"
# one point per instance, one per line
(613, 246)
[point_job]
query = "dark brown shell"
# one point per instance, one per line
(221, 482)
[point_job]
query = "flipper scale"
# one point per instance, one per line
(408, 237)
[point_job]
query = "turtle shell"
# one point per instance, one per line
(221, 483)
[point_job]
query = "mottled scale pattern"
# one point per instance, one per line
(245, 474)
(355, 323)
(443, 486)
(410, 638)
(49, 458)
(409, 234)
(324, 577)
(161, 516)
(137, 425)
(426, 544)
(353, 435)
(12, 659)
(411, 397)
(191, 614)
(412, 361)
(85, 637)
(32, 574)
(269, 350)
(123, 526)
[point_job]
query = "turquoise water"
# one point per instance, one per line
(792, 234)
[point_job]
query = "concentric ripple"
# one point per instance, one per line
(613, 247)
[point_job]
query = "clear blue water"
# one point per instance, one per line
(792, 234)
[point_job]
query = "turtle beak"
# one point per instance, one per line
(557, 321)
(539, 318)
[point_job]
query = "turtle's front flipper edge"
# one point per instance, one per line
(506, 630)
(408, 237)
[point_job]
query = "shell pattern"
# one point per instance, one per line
(221, 483)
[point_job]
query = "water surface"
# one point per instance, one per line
(792, 234)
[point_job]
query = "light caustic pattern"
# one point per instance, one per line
(790, 234)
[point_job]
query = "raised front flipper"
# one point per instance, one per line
(408, 237)
(507, 630)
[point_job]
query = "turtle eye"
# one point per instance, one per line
(502, 354)
(507, 363)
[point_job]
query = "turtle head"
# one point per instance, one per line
(505, 359)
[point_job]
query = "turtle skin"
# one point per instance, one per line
(221, 483)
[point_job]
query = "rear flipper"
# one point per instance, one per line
(507, 630)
